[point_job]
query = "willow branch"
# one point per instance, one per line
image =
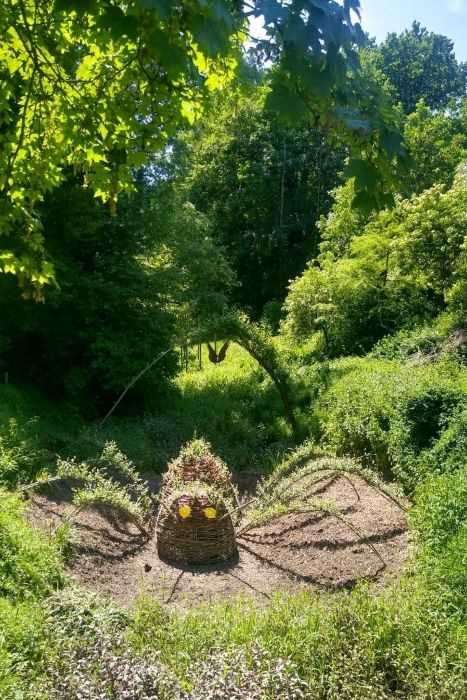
(133, 382)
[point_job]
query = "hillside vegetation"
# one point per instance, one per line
(254, 249)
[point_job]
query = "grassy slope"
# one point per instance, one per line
(30, 569)
(409, 641)
(232, 404)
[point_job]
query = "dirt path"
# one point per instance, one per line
(291, 553)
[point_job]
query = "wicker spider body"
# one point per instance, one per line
(194, 524)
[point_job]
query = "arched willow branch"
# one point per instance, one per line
(108, 480)
(281, 495)
(257, 341)
(280, 480)
(319, 507)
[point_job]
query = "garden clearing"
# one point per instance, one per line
(293, 552)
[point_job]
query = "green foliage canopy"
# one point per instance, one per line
(127, 288)
(437, 144)
(97, 85)
(422, 65)
(94, 86)
(263, 185)
(406, 265)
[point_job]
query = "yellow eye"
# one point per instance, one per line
(210, 513)
(184, 511)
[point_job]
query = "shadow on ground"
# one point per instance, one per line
(297, 551)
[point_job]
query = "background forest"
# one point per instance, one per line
(264, 228)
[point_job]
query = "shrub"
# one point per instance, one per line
(427, 343)
(22, 642)
(441, 509)
(336, 301)
(440, 521)
(446, 572)
(30, 563)
(403, 267)
(407, 422)
(19, 456)
(357, 409)
(426, 412)
(449, 452)
(407, 342)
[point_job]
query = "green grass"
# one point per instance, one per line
(441, 509)
(22, 642)
(355, 645)
(30, 570)
(407, 641)
(30, 562)
(233, 405)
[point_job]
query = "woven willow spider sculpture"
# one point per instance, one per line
(200, 518)
(194, 525)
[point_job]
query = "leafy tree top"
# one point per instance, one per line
(422, 65)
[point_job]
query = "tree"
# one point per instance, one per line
(456, 296)
(197, 276)
(97, 85)
(437, 144)
(94, 86)
(422, 65)
(127, 287)
(405, 266)
(263, 185)
(342, 223)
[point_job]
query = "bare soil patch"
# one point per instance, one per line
(293, 552)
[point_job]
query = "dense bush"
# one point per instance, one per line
(449, 452)
(407, 421)
(356, 411)
(441, 508)
(440, 522)
(102, 322)
(403, 267)
(22, 643)
(422, 340)
(446, 572)
(127, 287)
(341, 224)
(19, 457)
